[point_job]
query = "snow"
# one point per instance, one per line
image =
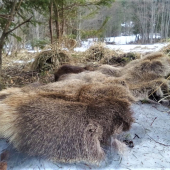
(121, 43)
(138, 48)
(121, 39)
(151, 125)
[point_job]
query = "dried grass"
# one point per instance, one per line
(23, 67)
(48, 60)
(166, 49)
(97, 52)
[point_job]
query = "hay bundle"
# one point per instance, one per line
(70, 43)
(96, 52)
(48, 60)
(166, 49)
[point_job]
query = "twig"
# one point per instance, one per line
(163, 98)
(153, 121)
(136, 136)
(157, 142)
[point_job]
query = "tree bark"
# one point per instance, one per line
(56, 13)
(3, 37)
(51, 21)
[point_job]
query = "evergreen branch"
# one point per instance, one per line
(28, 20)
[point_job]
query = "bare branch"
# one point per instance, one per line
(158, 142)
(28, 20)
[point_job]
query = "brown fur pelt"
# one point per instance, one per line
(144, 75)
(67, 69)
(151, 66)
(45, 123)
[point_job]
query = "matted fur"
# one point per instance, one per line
(110, 70)
(155, 64)
(89, 77)
(67, 69)
(46, 127)
(45, 123)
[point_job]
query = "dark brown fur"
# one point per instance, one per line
(66, 69)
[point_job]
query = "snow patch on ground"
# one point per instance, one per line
(121, 43)
(129, 47)
(138, 48)
(121, 39)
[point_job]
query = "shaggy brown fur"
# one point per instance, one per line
(152, 56)
(41, 123)
(110, 70)
(154, 65)
(87, 77)
(46, 127)
(72, 88)
(66, 69)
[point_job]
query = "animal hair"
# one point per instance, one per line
(67, 69)
(153, 56)
(143, 90)
(110, 70)
(38, 124)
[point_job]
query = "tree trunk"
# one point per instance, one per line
(51, 22)
(4, 35)
(56, 13)
(2, 39)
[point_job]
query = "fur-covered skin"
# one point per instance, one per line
(108, 95)
(110, 70)
(151, 66)
(71, 89)
(88, 77)
(67, 69)
(41, 123)
(51, 128)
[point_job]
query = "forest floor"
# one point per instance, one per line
(150, 133)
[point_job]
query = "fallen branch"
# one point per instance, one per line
(153, 121)
(157, 142)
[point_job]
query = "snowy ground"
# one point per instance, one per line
(121, 43)
(150, 135)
